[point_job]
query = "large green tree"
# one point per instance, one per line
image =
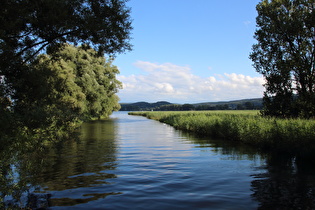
(285, 56)
(30, 27)
(67, 86)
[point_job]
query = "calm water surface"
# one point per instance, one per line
(130, 162)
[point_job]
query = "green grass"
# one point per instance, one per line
(244, 126)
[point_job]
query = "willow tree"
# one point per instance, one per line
(65, 87)
(285, 56)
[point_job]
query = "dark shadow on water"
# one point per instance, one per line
(28, 179)
(76, 201)
(288, 181)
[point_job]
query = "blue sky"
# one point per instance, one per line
(190, 51)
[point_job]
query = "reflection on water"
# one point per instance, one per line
(87, 163)
(286, 183)
(63, 171)
(131, 162)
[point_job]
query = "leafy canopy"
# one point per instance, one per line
(285, 56)
(64, 83)
(72, 84)
(30, 25)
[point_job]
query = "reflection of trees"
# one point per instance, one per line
(289, 180)
(18, 164)
(89, 197)
(232, 149)
(289, 183)
(85, 162)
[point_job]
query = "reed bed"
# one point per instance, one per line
(244, 126)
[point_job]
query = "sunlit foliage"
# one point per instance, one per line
(74, 83)
(243, 126)
(59, 90)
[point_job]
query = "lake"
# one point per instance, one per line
(130, 162)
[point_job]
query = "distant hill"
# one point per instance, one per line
(142, 106)
(255, 103)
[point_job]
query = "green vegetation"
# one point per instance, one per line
(48, 84)
(142, 106)
(55, 94)
(29, 27)
(284, 55)
(58, 91)
(294, 135)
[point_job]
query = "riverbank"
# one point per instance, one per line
(292, 135)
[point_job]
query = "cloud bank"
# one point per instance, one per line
(176, 84)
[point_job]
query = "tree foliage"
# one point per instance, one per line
(69, 85)
(44, 79)
(26, 27)
(285, 56)
(30, 27)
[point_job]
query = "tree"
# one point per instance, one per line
(285, 56)
(27, 27)
(187, 107)
(72, 84)
(249, 106)
(30, 27)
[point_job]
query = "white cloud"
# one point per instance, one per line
(177, 84)
(247, 22)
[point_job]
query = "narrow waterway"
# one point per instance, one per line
(130, 162)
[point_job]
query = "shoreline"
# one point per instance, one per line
(292, 135)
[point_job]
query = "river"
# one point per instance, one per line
(130, 162)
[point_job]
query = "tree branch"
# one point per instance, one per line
(35, 53)
(47, 42)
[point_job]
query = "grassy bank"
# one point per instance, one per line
(244, 126)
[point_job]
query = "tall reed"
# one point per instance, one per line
(244, 126)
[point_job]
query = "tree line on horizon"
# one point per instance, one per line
(166, 106)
